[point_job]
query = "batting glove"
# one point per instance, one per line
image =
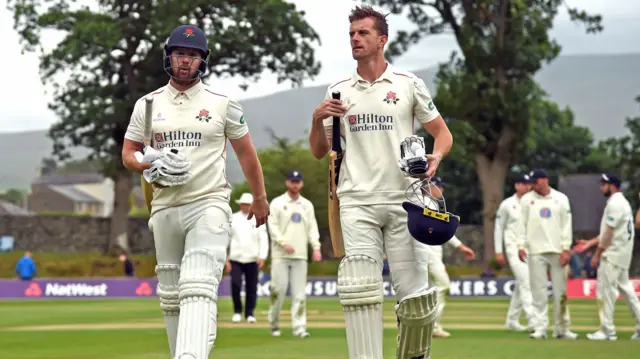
(413, 162)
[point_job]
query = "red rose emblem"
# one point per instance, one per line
(391, 95)
(204, 113)
(189, 31)
(353, 119)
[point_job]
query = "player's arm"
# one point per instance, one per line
(274, 225)
(238, 134)
(498, 228)
(322, 125)
(312, 231)
(521, 224)
(613, 218)
(427, 114)
(134, 141)
(566, 236)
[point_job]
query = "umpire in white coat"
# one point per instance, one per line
(248, 249)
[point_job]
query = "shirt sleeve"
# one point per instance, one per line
(263, 237)
(521, 226)
(328, 122)
(312, 231)
(423, 107)
(272, 221)
(613, 215)
(235, 125)
(135, 129)
(567, 226)
(499, 226)
(454, 242)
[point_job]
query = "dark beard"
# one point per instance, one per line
(607, 193)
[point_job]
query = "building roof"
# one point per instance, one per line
(74, 194)
(69, 178)
(8, 208)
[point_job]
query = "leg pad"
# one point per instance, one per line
(417, 315)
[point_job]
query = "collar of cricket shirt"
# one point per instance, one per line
(386, 75)
(189, 93)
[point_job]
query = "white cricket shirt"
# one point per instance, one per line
(545, 223)
(619, 216)
(438, 251)
(505, 229)
(380, 116)
(292, 222)
(198, 123)
(247, 243)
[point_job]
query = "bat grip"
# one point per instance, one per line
(335, 137)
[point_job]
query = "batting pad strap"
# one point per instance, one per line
(200, 275)
(359, 281)
(168, 278)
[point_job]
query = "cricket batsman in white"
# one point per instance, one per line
(544, 236)
(293, 228)
(377, 110)
(613, 259)
(437, 270)
(505, 243)
(190, 212)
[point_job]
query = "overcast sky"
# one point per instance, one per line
(26, 106)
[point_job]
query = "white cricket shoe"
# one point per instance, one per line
(251, 319)
(600, 335)
(516, 327)
(236, 318)
(636, 335)
(566, 335)
(301, 334)
(275, 332)
(538, 334)
(441, 333)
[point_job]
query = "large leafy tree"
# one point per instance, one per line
(488, 85)
(111, 55)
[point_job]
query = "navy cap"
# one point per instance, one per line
(294, 176)
(524, 178)
(436, 180)
(430, 227)
(611, 178)
(538, 173)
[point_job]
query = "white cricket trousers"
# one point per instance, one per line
(539, 266)
(283, 273)
(440, 279)
(521, 300)
(611, 281)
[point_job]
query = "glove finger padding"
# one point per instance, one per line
(176, 162)
(174, 180)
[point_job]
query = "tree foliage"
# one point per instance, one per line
(111, 55)
(488, 85)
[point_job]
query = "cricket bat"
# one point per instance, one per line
(147, 189)
(335, 160)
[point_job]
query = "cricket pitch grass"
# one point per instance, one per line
(134, 329)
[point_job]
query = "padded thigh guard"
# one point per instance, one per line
(168, 277)
(198, 288)
(417, 315)
(361, 296)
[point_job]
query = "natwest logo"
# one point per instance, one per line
(76, 290)
(173, 139)
(33, 290)
(370, 122)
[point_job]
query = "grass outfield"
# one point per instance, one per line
(133, 329)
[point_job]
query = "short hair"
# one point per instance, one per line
(380, 20)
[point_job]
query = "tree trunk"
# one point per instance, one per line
(120, 216)
(492, 175)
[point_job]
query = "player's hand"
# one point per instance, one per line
(316, 256)
(468, 253)
(288, 249)
(260, 263)
(329, 108)
(500, 259)
(259, 209)
(581, 246)
(433, 161)
(565, 256)
(227, 267)
(595, 260)
(522, 254)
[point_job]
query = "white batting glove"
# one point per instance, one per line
(168, 167)
(413, 162)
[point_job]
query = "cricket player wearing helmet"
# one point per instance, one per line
(377, 110)
(190, 214)
(613, 257)
(544, 236)
(505, 234)
(437, 270)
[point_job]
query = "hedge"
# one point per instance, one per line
(59, 265)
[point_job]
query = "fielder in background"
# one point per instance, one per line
(190, 213)
(613, 256)
(544, 237)
(505, 233)
(437, 270)
(248, 249)
(377, 110)
(293, 227)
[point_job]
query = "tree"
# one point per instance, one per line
(111, 55)
(488, 87)
(48, 166)
(14, 196)
(284, 156)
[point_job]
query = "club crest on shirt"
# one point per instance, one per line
(296, 217)
(545, 212)
(391, 98)
(158, 118)
(203, 116)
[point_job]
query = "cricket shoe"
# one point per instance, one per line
(275, 332)
(301, 334)
(538, 335)
(236, 318)
(251, 319)
(636, 335)
(441, 333)
(516, 327)
(569, 335)
(600, 335)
